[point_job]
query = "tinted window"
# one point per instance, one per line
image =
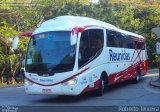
(112, 39)
(91, 44)
(117, 39)
(138, 44)
(141, 45)
(129, 42)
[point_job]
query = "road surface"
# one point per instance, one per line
(123, 94)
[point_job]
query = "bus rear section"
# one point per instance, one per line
(127, 56)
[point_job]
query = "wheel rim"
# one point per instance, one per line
(102, 84)
(138, 77)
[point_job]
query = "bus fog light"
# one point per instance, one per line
(71, 82)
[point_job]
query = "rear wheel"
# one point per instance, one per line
(102, 87)
(137, 78)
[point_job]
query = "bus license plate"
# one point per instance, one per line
(46, 90)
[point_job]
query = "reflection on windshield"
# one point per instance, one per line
(50, 52)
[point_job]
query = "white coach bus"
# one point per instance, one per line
(70, 55)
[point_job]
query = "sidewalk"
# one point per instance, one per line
(11, 85)
(155, 81)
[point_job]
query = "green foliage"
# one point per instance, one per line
(138, 16)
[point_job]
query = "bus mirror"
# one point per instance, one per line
(15, 43)
(16, 39)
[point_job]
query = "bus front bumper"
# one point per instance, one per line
(59, 89)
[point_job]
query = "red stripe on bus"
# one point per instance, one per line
(88, 89)
(58, 82)
(126, 74)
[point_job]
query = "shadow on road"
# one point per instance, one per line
(66, 99)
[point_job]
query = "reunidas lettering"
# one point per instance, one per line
(123, 56)
(46, 80)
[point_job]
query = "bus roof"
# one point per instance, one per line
(67, 23)
(130, 33)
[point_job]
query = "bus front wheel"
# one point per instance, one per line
(102, 86)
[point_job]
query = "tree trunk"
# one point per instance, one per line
(1, 75)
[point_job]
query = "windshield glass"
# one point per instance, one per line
(50, 52)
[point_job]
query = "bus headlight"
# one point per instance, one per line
(71, 82)
(26, 82)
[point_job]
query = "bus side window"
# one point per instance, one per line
(96, 41)
(129, 42)
(120, 40)
(83, 55)
(91, 44)
(111, 39)
(141, 45)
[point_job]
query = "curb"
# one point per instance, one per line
(152, 71)
(12, 85)
(152, 83)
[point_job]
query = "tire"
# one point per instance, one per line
(102, 87)
(137, 78)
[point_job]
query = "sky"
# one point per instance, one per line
(94, 1)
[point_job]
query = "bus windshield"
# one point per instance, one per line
(50, 52)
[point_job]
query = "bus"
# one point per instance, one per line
(71, 55)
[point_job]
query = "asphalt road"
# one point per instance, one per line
(123, 94)
(120, 94)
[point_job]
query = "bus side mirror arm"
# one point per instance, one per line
(16, 39)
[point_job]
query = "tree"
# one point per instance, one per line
(6, 34)
(138, 16)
